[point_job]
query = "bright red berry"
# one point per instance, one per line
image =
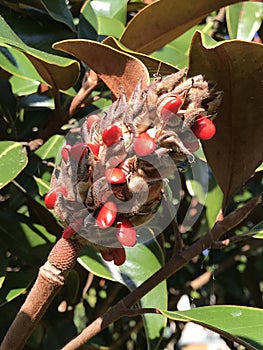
(204, 128)
(65, 152)
(115, 176)
(78, 150)
(51, 197)
(126, 234)
(171, 107)
(107, 215)
(111, 135)
(144, 144)
(119, 256)
(72, 228)
(94, 149)
(91, 119)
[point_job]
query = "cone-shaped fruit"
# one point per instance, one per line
(144, 144)
(111, 135)
(126, 233)
(107, 215)
(51, 197)
(115, 176)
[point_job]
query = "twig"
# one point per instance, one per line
(172, 266)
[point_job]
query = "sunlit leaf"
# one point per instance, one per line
(240, 324)
(12, 161)
(236, 67)
(56, 71)
(244, 20)
(163, 21)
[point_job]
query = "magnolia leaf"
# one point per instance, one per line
(117, 69)
(240, 324)
(244, 20)
(58, 72)
(12, 161)
(164, 20)
(236, 150)
(154, 65)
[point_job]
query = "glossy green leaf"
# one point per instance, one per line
(257, 231)
(240, 324)
(132, 273)
(12, 161)
(244, 19)
(110, 9)
(16, 284)
(236, 67)
(56, 71)
(110, 26)
(213, 202)
(51, 148)
(163, 21)
(59, 11)
(116, 68)
(21, 86)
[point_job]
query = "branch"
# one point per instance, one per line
(172, 266)
(51, 278)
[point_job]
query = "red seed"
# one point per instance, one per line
(204, 128)
(51, 197)
(91, 119)
(72, 228)
(115, 176)
(107, 215)
(144, 144)
(65, 152)
(78, 150)
(111, 135)
(126, 234)
(94, 149)
(119, 256)
(107, 254)
(171, 107)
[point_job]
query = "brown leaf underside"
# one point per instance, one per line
(165, 20)
(117, 69)
(236, 150)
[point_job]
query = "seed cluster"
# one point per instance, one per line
(112, 179)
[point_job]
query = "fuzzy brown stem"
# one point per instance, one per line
(34, 307)
(51, 278)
